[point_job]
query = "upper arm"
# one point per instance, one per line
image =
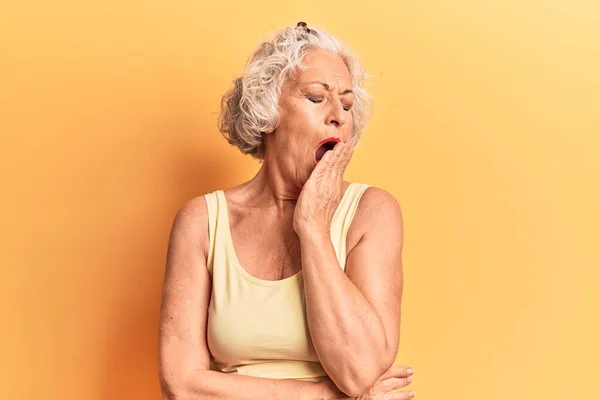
(374, 265)
(185, 298)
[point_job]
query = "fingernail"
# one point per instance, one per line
(409, 379)
(412, 394)
(409, 371)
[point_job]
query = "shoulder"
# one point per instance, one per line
(190, 224)
(191, 211)
(377, 210)
(376, 201)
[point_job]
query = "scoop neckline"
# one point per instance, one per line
(238, 265)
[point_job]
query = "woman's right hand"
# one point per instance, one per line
(384, 388)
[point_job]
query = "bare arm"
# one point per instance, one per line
(354, 317)
(183, 352)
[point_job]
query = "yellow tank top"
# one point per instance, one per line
(258, 327)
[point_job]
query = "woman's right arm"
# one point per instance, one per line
(184, 358)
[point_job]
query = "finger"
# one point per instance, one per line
(330, 162)
(399, 395)
(337, 151)
(340, 157)
(395, 383)
(334, 161)
(324, 164)
(398, 371)
(347, 154)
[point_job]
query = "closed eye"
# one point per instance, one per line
(317, 101)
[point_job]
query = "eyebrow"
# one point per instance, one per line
(326, 86)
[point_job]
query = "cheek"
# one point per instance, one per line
(303, 111)
(301, 122)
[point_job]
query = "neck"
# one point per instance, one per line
(275, 184)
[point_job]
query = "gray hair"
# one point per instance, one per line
(250, 109)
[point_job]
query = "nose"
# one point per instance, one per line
(337, 114)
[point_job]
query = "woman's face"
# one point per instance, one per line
(314, 106)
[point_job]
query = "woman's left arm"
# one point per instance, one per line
(354, 317)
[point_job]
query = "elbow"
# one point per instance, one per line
(175, 385)
(169, 389)
(358, 380)
(360, 375)
(166, 394)
(355, 387)
(175, 390)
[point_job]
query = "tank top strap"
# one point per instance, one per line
(343, 217)
(215, 210)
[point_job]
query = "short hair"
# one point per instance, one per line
(251, 107)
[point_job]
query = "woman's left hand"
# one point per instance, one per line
(322, 191)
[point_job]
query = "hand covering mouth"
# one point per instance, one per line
(324, 146)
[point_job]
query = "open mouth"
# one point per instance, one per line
(325, 146)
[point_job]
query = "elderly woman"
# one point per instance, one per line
(287, 286)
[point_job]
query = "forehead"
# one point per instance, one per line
(325, 67)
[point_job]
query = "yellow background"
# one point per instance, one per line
(486, 128)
